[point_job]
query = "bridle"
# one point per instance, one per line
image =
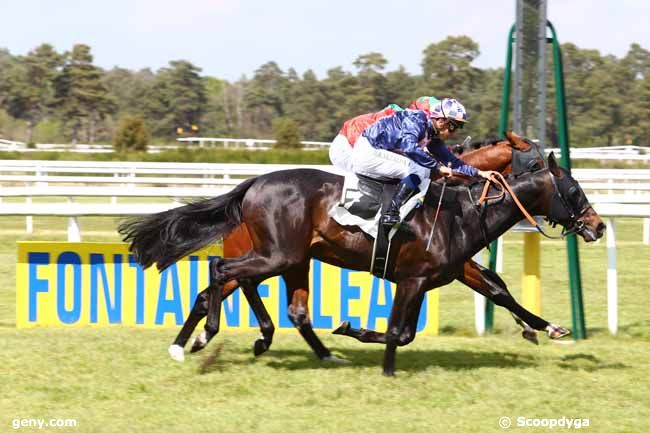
(555, 217)
(559, 201)
(527, 160)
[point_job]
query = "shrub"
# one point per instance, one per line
(287, 134)
(48, 131)
(131, 134)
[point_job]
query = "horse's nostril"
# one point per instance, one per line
(601, 228)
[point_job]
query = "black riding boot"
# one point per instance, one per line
(391, 217)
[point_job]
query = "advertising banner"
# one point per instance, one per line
(68, 284)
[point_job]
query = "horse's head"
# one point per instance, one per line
(526, 155)
(569, 206)
(513, 154)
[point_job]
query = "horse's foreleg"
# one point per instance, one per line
(401, 324)
(267, 329)
(297, 281)
(490, 285)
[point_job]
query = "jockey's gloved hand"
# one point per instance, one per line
(486, 174)
(445, 171)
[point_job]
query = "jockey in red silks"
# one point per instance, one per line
(341, 148)
(394, 148)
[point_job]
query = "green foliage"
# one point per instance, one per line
(607, 97)
(128, 89)
(287, 134)
(447, 69)
(11, 128)
(82, 97)
(48, 131)
(132, 134)
(176, 98)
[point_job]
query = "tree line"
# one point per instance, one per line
(47, 96)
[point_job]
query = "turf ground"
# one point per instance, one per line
(121, 379)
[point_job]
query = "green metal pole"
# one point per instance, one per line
(575, 284)
(505, 95)
(503, 126)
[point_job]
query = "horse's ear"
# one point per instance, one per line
(516, 140)
(552, 165)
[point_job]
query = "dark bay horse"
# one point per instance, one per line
(514, 154)
(286, 215)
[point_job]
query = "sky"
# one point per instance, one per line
(231, 38)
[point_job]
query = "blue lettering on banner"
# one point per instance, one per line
(194, 276)
(348, 293)
(174, 304)
(139, 289)
(283, 306)
(319, 321)
(422, 318)
(36, 284)
(98, 269)
(64, 260)
(376, 309)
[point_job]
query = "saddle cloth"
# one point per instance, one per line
(361, 200)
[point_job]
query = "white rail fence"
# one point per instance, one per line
(614, 193)
(182, 143)
(620, 153)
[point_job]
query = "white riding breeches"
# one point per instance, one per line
(371, 162)
(341, 153)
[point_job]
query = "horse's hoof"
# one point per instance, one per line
(260, 346)
(389, 373)
(556, 332)
(199, 342)
(343, 328)
(530, 335)
(176, 352)
(336, 360)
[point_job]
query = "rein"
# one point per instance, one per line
(499, 180)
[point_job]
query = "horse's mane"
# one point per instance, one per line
(459, 149)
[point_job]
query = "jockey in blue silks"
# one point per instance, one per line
(394, 148)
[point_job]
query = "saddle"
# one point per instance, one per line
(362, 203)
(363, 200)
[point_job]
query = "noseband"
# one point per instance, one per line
(562, 211)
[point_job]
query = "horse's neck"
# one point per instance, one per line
(501, 216)
(489, 158)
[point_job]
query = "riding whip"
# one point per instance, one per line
(442, 193)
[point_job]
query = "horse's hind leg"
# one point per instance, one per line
(196, 314)
(200, 310)
(251, 266)
(490, 285)
(370, 336)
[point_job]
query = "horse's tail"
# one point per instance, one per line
(164, 238)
